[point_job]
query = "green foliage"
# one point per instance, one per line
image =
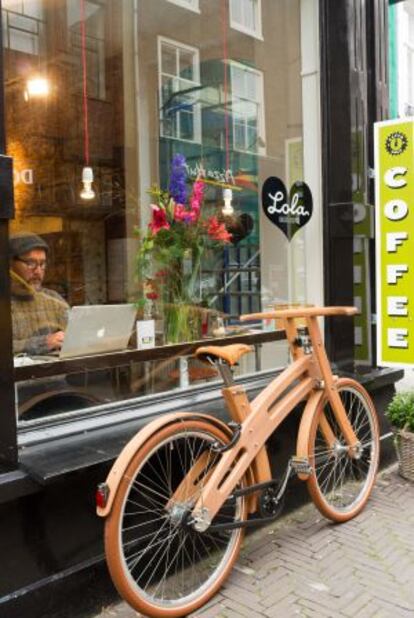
(401, 410)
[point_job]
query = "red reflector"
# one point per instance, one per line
(101, 496)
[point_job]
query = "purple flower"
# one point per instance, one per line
(178, 177)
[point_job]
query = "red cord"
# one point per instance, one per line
(84, 82)
(225, 82)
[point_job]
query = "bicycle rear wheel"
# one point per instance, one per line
(159, 564)
(340, 485)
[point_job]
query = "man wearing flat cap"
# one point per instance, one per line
(39, 315)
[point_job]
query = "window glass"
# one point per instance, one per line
(186, 68)
(142, 135)
(168, 59)
(245, 16)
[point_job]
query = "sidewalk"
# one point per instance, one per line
(304, 566)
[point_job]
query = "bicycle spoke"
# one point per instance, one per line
(143, 523)
(342, 475)
(168, 561)
(139, 485)
(141, 553)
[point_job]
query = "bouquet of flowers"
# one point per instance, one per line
(181, 230)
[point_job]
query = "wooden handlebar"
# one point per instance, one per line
(299, 312)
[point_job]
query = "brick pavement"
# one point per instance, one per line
(302, 565)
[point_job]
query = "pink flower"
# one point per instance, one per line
(197, 196)
(217, 230)
(159, 220)
(182, 214)
(191, 213)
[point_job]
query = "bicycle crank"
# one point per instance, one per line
(271, 502)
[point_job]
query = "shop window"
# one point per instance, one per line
(179, 90)
(22, 25)
(247, 109)
(187, 4)
(95, 174)
(245, 15)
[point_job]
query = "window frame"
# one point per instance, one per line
(257, 32)
(261, 126)
(192, 5)
(34, 35)
(197, 122)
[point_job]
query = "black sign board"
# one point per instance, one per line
(6, 188)
(288, 213)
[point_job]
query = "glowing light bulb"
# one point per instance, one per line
(87, 192)
(227, 209)
(36, 87)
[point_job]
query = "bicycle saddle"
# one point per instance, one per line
(229, 353)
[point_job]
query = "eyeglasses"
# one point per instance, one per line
(32, 264)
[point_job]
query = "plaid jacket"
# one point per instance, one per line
(34, 316)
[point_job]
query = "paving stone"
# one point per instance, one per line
(304, 566)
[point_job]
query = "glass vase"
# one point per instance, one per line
(182, 322)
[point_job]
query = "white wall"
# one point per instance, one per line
(312, 149)
(295, 272)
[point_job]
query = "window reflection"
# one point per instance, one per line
(121, 88)
(179, 78)
(23, 22)
(94, 47)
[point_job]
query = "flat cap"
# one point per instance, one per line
(23, 242)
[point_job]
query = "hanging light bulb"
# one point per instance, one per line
(227, 209)
(87, 192)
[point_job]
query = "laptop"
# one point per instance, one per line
(93, 329)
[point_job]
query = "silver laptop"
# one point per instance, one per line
(94, 329)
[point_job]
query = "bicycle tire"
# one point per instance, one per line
(169, 578)
(339, 484)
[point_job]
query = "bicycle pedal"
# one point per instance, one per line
(270, 502)
(301, 465)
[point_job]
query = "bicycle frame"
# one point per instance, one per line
(308, 377)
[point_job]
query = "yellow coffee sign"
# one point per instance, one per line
(394, 179)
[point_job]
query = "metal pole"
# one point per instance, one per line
(8, 429)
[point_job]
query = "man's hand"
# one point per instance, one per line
(55, 341)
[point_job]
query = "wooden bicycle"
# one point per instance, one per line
(183, 490)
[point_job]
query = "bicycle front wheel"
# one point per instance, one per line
(340, 484)
(159, 563)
